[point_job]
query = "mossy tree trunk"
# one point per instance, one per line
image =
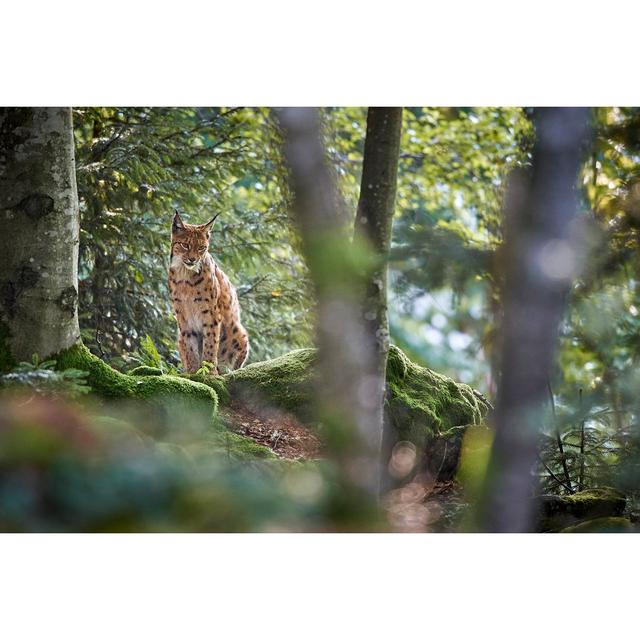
(347, 366)
(374, 220)
(39, 229)
(540, 261)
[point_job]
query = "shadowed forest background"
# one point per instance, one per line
(265, 448)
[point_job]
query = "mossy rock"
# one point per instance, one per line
(559, 512)
(167, 391)
(284, 382)
(423, 407)
(601, 525)
(216, 383)
(423, 404)
(144, 370)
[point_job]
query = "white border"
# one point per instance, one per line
(334, 52)
(337, 52)
(318, 586)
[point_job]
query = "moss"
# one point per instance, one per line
(423, 406)
(604, 501)
(144, 370)
(601, 525)
(237, 446)
(103, 379)
(284, 381)
(109, 383)
(216, 383)
(424, 403)
(559, 512)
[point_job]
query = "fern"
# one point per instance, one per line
(148, 355)
(153, 357)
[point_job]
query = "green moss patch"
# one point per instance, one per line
(109, 383)
(602, 501)
(560, 512)
(144, 370)
(423, 403)
(237, 446)
(285, 382)
(420, 401)
(423, 407)
(601, 525)
(216, 383)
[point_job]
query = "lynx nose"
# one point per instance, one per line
(189, 261)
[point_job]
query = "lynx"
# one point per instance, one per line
(205, 302)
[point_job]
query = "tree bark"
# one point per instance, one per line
(540, 261)
(39, 228)
(374, 220)
(348, 374)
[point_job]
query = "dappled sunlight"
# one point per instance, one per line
(441, 302)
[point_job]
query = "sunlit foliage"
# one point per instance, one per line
(134, 167)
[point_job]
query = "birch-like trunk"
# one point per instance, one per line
(373, 224)
(39, 228)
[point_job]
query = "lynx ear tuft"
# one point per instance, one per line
(177, 225)
(208, 225)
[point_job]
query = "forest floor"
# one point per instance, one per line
(279, 431)
(421, 505)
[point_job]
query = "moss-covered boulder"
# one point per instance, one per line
(217, 383)
(423, 407)
(283, 382)
(175, 392)
(601, 525)
(559, 512)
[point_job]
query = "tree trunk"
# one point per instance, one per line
(373, 224)
(39, 229)
(347, 403)
(540, 261)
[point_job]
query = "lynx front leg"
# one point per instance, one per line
(189, 347)
(211, 341)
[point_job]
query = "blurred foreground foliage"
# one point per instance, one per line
(119, 467)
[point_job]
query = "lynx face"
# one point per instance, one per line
(189, 243)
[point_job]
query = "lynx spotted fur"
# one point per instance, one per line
(205, 302)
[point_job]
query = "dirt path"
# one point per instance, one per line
(281, 432)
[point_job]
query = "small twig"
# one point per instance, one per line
(253, 286)
(554, 476)
(581, 474)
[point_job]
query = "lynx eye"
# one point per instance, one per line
(202, 248)
(184, 245)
